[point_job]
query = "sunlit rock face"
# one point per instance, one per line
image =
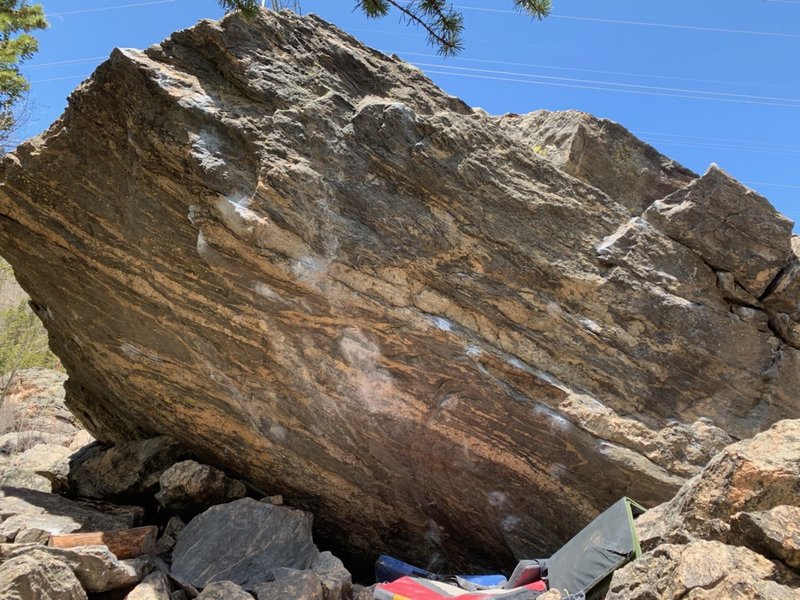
(448, 334)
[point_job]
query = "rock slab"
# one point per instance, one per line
(242, 542)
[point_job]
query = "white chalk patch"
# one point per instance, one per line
(496, 498)
(518, 364)
(556, 470)
(262, 289)
(591, 325)
(556, 420)
(203, 249)
(442, 323)
(311, 269)
(474, 351)
(236, 216)
(193, 213)
(434, 533)
(277, 432)
(510, 523)
(374, 387)
(133, 351)
(449, 402)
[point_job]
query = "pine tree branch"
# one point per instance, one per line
(442, 23)
(448, 45)
(538, 9)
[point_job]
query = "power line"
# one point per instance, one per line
(713, 139)
(64, 62)
(106, 8)
(673, 92)
(59, 78)
(781, 185)
(708, 146)
(602, 72)
(605, 89)
(642, 23)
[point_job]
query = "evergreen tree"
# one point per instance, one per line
(442, 23)
(17, 20)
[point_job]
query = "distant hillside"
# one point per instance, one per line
(23, 339)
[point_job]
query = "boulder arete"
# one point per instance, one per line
(452, 336)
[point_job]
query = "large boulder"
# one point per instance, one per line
(47, 461)
(33, 412)
(243, 542)
(321, 273)
(730, 532)
(96, 567)
(701, 570)
(337, 583)
(753, 475)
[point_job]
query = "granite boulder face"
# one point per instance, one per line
(452, 336)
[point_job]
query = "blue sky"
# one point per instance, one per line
(702, 80)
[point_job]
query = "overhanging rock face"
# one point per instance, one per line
(318, 271)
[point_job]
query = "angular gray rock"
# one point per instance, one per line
(153, 587)
(97, 569)
(750, 476)
(14, 477)
(124, 471)
(22, 509)
(326, 275)
(225, 590)
(731, 227)
(730, 532)
(601, 153)
(188, 488)
(701, 569)
(774, 533)
(50, 461)
(38, 575)
(337, 583)
(361, 592)
(169, 536)
(291, 583)
(242, 542)
(32, 535)
(784, 296)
